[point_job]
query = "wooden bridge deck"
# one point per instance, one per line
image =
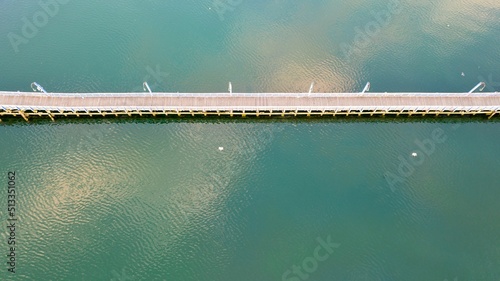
(28, 103)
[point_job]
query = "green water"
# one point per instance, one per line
(286, 199)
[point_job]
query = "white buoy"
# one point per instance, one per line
(221, 148)
(414, 154)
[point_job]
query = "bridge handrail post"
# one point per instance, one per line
(366, 89)
(38, 87)
(311, 88)
(480, 84)
(145, 86)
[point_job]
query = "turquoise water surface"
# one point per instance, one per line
(286, 199)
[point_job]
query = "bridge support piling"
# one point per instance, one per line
(24, 115)
(50, 115)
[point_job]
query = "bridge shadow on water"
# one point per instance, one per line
(42, 120)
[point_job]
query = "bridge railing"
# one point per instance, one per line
(250, 108)
(233, 95)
